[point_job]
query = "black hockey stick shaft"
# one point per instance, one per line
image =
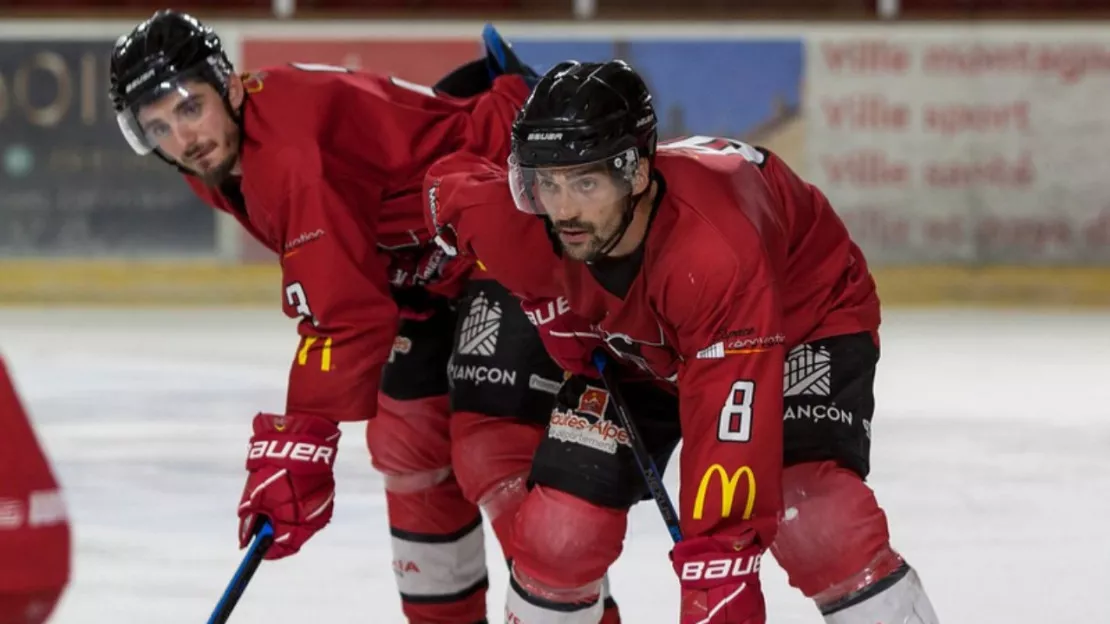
(644, 460)
(261, 543)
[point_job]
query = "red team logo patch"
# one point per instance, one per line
(593, 401)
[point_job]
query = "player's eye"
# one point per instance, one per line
(547, 185)
(585, 185)
(191, 108)
(157, 130)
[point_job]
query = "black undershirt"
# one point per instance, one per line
(231, 189)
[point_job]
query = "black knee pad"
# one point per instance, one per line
(498, 365)
(829, 400)
(586, 451)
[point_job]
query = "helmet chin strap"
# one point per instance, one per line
(160, 154)
(627, 215)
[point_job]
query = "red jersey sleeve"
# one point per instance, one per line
(727, 316)
(334, 279)
(470, 195)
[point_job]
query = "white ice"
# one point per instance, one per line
(991, 455)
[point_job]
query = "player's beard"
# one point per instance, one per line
(218, 174)
(597, 238)
(585, 251)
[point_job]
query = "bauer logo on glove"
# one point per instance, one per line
(300, 451)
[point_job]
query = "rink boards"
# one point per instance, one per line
(210, 283)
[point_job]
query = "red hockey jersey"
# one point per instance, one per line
(332, 164)
(742, 261)
(34, 528)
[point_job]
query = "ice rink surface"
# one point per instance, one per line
(991, 455)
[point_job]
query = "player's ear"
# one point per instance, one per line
(642, 178)
(235, 91)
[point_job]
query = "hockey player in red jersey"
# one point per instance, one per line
(712, 267)
(324, 166)
(34, 529)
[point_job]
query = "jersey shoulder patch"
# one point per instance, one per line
(717, 146)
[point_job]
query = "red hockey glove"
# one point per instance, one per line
(417, 267)
(421, 275)
(291, 482)
(439, 218)
(568, 338)
(719, 576)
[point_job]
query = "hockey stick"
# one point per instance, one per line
(502, 60)
(259, 545)
(647, 465)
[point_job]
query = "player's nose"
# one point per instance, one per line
(560, 208)
(185, 134)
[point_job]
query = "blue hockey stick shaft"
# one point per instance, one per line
(647, 465)
(501, 60)
(259, 545)
(495, 46)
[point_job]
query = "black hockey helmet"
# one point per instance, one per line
(157, 57)
(586, 117)
(585, 112)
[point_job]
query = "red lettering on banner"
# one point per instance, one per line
(969, 147)
(1069, 62)
(1031, 233)
(945, 230)
(866, 111)
(1096, 234)
(998, 171)
(950, 119)
(874, 225)
(865, 168)
(875, 56)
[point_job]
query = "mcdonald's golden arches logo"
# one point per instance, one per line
(728, 490)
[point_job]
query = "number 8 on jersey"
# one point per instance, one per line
(736, 416)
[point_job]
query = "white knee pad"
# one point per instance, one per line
(898, 599)
(583, 605)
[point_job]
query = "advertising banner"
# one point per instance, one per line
(978, 146)
(71, 186)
